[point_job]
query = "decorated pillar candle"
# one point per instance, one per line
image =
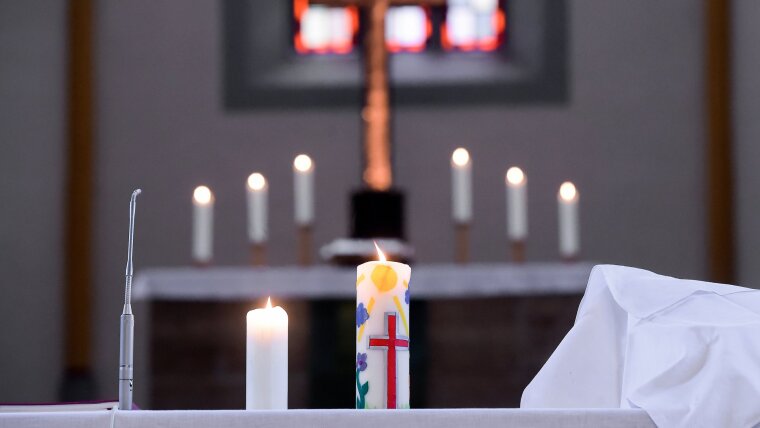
(461, 186)
(517, 205)
(382, 334)
(203, 225)
(569, 227)
(303, 190)
(266, 361)
(257, 208)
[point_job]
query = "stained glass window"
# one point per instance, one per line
(460, 25)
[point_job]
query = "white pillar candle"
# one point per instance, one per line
(303, 190)
(203, 224)
(382, 334)
(569, 227)
(517, 204)
(266, 359)
(461, 186)
(257, 208)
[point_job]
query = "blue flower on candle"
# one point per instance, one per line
(361, 315)
(361, 361)
(406, 296)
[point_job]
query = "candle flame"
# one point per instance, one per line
(302, 163)
(380, 254)
(515, 176)
(567, 191)
(269, 302)
(256, 181)
(460, 157)
(202, 195)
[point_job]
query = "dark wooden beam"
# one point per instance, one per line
(719, 151)
(78, 382)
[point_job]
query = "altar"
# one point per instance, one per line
(480, 328)
(577, 418)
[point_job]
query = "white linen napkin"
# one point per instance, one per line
(687, 352)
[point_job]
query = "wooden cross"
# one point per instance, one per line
(390, 343)
(376, 114)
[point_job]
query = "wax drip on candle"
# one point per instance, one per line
(380, 254)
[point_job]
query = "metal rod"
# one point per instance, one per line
(127, 331)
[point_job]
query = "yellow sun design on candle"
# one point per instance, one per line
(384, 278)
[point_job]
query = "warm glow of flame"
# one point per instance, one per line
(256, 181)
(302, 163)
(202, 195)
(269, 303)
(515, 176)
(460, 157)
(567, 191)
(380, 254)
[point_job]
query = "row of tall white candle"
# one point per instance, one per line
(517, 204)
(461, 193)
(257, 194)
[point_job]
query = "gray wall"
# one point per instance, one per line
(746, 105)
(631, 138)
(32, 77)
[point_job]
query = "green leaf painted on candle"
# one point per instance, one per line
(361, 389)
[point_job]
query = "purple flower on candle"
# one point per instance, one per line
(361, 315)
(361, 361)
(406, 296)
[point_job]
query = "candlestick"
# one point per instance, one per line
(461, 186)
(266, 362)
(462, 249)
(569, 227)
(203, 225)
(382, 334)
(304, 245)
(257, 215)
(517, 211)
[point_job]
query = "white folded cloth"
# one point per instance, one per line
(687, 352)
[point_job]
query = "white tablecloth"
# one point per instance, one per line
(575, 418)
(428, 281)
(687, 352)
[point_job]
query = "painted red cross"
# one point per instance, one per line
(390, 343)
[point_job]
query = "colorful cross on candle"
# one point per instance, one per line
(391, 342)
(382, 332)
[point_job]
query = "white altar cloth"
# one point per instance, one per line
(324, 282)
(422, 418)
(687, 352)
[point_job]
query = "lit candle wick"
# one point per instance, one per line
(460, 157)
(515, 176)
(567, 191)
(256, 181)
(202, 195)
(302, 163)
(380, 254)
(269, 303)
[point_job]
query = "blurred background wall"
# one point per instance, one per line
(32, 138)
(631, 136)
